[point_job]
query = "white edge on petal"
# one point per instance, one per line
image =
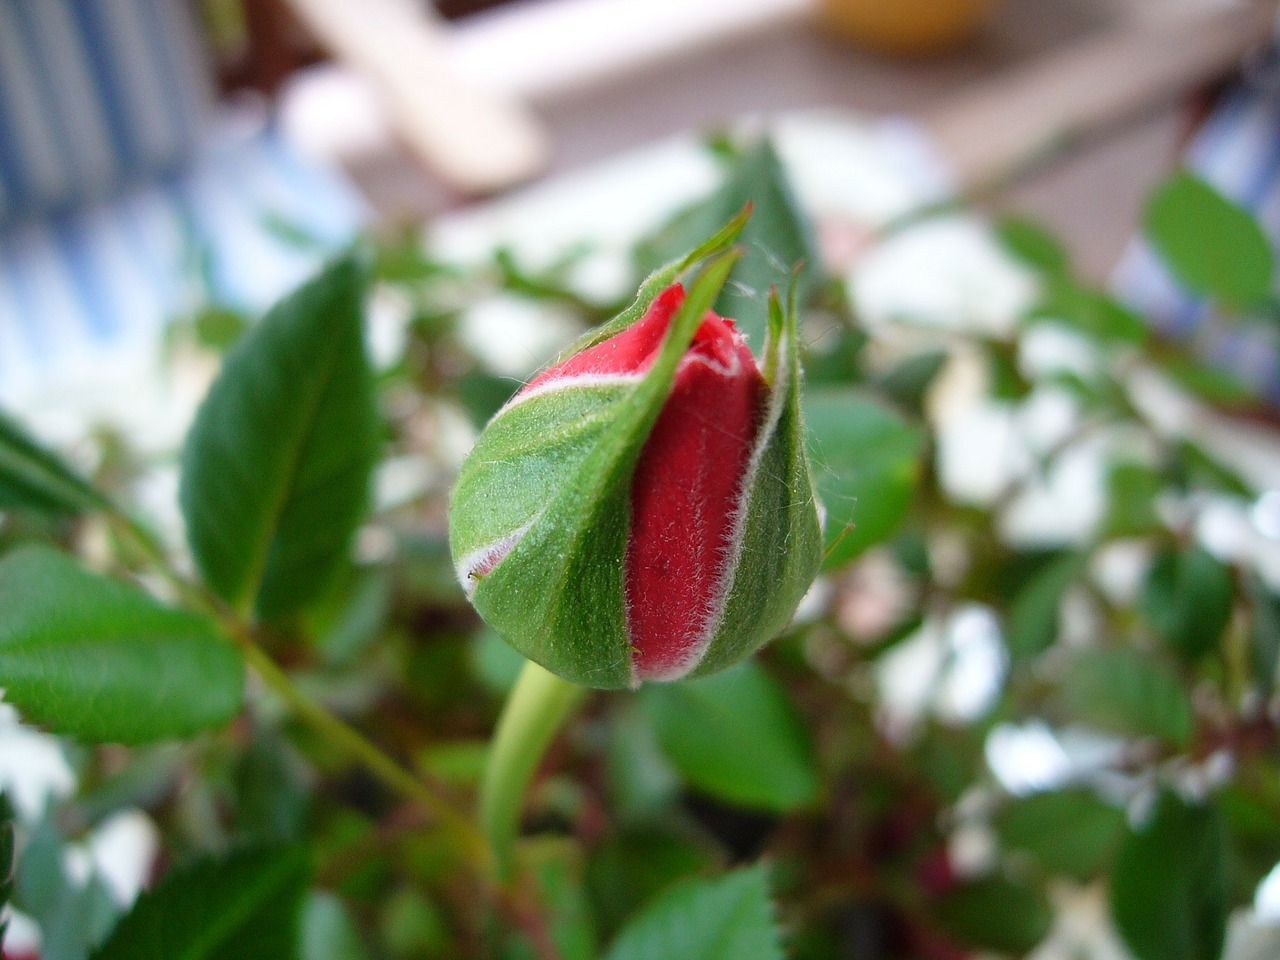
(489, 556)
(569, 383)
(733, 549)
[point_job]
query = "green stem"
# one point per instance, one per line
(534, 711)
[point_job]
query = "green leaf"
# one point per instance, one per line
(1129, 692)
(275, 472)
(1169, 883)
(33, 478)
(1071, 832)
(1031, 243)
(74, 914)
(96, 659)
(736, 736)
(1210, 244)
(8, 858)
(1187, 598)
(1210, 383)
(996, 913)
(1090, 311)
(777, 239)
(866, 463)
(246, 907)
(1035, 613)
(730, 918)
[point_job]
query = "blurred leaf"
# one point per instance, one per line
(777, 239)
(1132, 489)
(245, 907)
(495, 662)
(996, 913)
(8, 858)
(74, 914)
(1210, 383)
(909, 381)
(413, 927)
(1187, 598)
(1071, 832)
(275, 471)
(98, 660)
(1032, 244)
(633, 866)
(1265, 649)
(557, 870)
(33, 478)
(1210, 244)
(360, 623)
(1036, 610)
(866, 464)
(327, 931)
(730, 918)
(1129, 692)
(641, 780)
(1090, 311)
(736, 736)
(271, 799)
(1168, 883)
(1198, 467)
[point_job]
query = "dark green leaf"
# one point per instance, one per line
(866, 463)
(1210, 244)
(996, 913)
(1187, 598)
(275, 473)
(730, 918)
(1197, 467)
(1265, 649)
(777, 239)
(246, 907)
(910, 380)
(1070, 832)
(632, 867)
(95, 659)
(1032, 244)
(1035, 613)
(736, 736)
(33, 478)
(1168, 883)
(1130, 692)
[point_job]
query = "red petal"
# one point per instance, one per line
(684, 499)
(631, 351)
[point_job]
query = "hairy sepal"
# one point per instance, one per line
(777, 549)
(557, 596)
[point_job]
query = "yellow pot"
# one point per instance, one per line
(911, 27)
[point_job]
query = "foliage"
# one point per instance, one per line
(807, 803)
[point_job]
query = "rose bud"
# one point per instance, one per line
(643, 510)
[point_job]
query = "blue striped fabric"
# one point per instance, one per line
(1237, 150)
(82, 287)
(94, 95)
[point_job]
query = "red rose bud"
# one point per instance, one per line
(643, 510)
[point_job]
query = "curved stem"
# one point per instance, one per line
(535, 710)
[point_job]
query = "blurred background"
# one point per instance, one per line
(1045, 231)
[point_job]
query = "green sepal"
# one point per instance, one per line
(557, 596)
(781, 548)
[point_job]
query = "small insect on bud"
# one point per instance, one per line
(643, 510)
